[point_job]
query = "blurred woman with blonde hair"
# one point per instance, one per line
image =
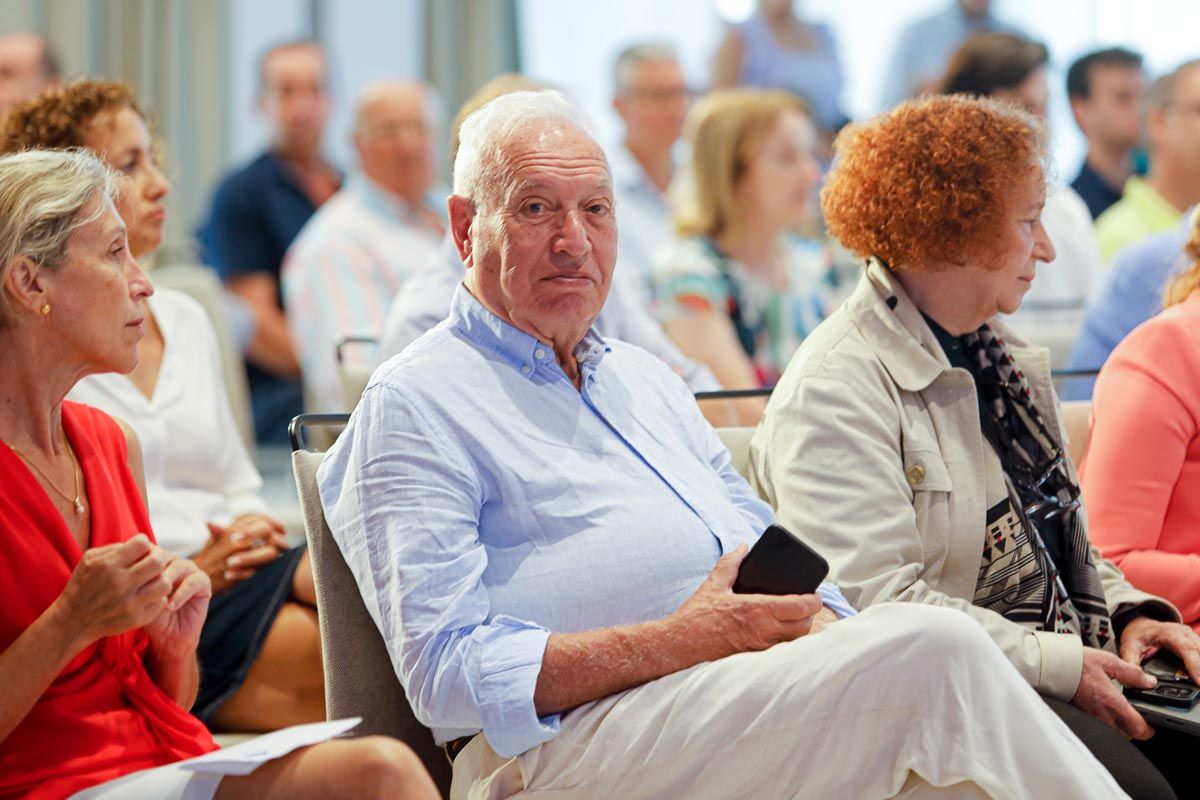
(735, 291)
(1142, 477)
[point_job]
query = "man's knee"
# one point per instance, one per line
(385, 768)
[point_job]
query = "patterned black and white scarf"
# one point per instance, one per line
(1018, 578)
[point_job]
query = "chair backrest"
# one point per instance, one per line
(1077, 419)
(353, 378)
(353, 374)
(359, 678)
(202, 285)
(738, 442)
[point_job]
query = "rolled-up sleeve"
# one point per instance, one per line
(403, 503)
(834, 600)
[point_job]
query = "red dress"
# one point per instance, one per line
(103, 716)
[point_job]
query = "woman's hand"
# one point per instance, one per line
(175, 632)
(235, 552)
(1099, 697)
(1143, 637)
(115, 588)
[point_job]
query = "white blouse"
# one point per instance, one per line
(197, 468)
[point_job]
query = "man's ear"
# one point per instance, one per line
(462, 214)
(26, 284)
(618, 104)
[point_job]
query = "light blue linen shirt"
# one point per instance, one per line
(644, 218)
(483, 502)
(1132, 295)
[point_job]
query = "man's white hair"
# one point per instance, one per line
(481, 168)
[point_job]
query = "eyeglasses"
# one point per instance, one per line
(663, 96)
(1049, 503)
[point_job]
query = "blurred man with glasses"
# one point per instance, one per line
(652, 100)
(350, 260)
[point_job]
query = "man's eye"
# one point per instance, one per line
(598, 208)
(535, 208)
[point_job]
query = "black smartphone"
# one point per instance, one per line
(779, 563)
(1175, 687)
(1176, 695)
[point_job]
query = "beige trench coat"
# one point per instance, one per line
(871, 450)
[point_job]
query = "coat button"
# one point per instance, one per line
(916, 474)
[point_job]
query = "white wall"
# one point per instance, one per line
(573, 44)
(366, 40)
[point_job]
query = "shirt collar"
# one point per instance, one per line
(1150, 203)
(629, 175)
(528, 355)
(381, 201)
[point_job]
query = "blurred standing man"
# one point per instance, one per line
(1173, 183)
(925, 47)
(27, 66)
(350, 260)
(652, 100)
(1106, 89)
(257, 212)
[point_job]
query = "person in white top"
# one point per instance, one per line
(260, 646)
(651, 98)
(356, 252)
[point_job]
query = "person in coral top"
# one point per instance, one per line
(99, 625)
(1142, 476)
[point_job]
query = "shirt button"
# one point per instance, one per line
(525, 369)
(539, 353)
(916, 474)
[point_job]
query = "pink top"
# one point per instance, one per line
(1141, 482)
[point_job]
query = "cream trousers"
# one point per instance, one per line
(901, 701)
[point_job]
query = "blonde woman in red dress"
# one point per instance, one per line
(98, 625)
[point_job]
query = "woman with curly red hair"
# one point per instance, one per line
(917, 443)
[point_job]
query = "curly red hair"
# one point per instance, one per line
(61, 117)
(926, 184)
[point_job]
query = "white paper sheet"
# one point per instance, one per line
(244, 757)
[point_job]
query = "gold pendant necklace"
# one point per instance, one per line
(80, 508)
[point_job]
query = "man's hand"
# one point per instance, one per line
(718, 622)
(1099, 697)
(714, 622)
(1143, 637)
(824, 618)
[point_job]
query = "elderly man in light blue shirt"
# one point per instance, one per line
(546, 533)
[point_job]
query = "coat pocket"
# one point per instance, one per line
(925, 471)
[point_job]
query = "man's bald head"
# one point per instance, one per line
(395, 129)
(27, 66)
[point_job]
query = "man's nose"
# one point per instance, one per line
(572, 237)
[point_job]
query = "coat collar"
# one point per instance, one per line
(904, 343)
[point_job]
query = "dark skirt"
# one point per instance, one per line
(237, 625)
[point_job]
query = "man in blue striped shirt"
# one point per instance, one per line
(546, 531)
